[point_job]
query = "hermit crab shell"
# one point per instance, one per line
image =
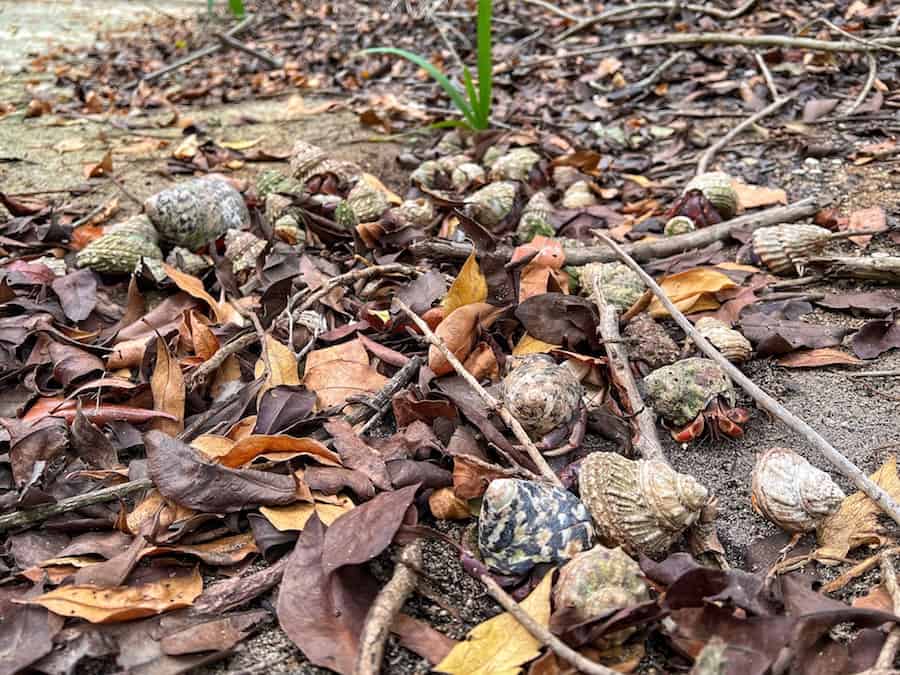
(514, 165)
(680, 392)
(535, 219)
(493, 203)
(597, 581)
(309, 161)
(243, 249)
(786, 248)
(197, 212)
(620, 285)
(655, 346)
(136, 226)
(679, 225)
(120, 250)
(643, 506)
(578, 196)
(716, 187)
(272, 181)
(523, 523)
(425, 174)
(733, 346)
(491, 155)
(413, 213)
(792, 493)
(541, 394)
(465, 174)
(188, 262)
(368, 201)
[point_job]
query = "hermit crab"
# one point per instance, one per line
(693, 394)
(547, 399)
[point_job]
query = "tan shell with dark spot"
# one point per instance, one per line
(785, 248)
(541, 394)
(655, 346)
(578, 196)
(643, 506)
(679, 225)
(308, 161)
(367, 201)
(716, 187)
(493, 203)
(514, 165)
(733, 345)
(465, 174)
(243, 248)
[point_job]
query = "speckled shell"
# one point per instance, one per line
(308, 161)
(278, 206)
(790, 492)
(785, 248)
(196, 212)
(117, 253)
(367, 201)
(413, 212)
(535, 219)
(541, 394)
(524, 523)
(680, 392)
(643, 506)
(190, 263)
(564, 176)
(465, 174)
(425, 174)
(136, 226)
(287, 229)
(450, 144)
(578, 196)
(491, 155)
(679, 225)
(493, 203)
(716, 187)
(345, 216)
(243, 248)
(514, 165)
(734, 346)
(620, 285)
(272, 181)
(597, 581)
(448, 163)
(655, 347)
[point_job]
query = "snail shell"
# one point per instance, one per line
(679, 225)
(535, 219)
(190, 263)
(716, 187)
(597, 581)
(733, 345)
(493, 203)
(425, 174)
(413, 213)
(620, 285)
(196, 212)
(120, 250)
(655, 346)
(785, 248)
(465, 174)
(541, 394)
(243, 248)
(52, 263)
(681, 391)
(491, 155)
(578, 196)
(792, 493)
(643, 506)
(308, 161)
(368, 201)
(523, 523)
(272, 181)
(514, 165)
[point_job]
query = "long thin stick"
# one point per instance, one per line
(774, 106)
(766, 402)
(539, 632)
(383, 398)
(550, 7)
(889, 579)
(767, 74)
(867, 87)
(356, 275)
(229, 41)
(492, 403)
(205, 369)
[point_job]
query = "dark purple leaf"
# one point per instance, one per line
(77, 293)
(91, 444)
(283, 406)
(356, 454)
(876, 337)
(566, 320)
(330, 480)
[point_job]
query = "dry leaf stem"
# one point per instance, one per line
(867, 87)
(446, 250)
(385, 608)
(540, 633)
(774, 106)
(351, 277)
(381, 399)
(208, 367)
(229, 41)
(766, 402)
(492, 403)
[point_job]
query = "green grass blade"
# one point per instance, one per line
(473, 98)
(485, 59)
(237, 8)
(438, 76)
(209, 5)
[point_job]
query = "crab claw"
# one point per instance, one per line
(691, 431)
(729, 428)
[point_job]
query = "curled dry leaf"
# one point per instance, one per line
(469, 286)
(295, 516)
(692, 291)
(339, 372)
(194, 287)
(752, 196)
(123, 603)
(544, 272)
(279, 365)
(167, 385)
(103, 413)
(866, 219)
(814, 358)
(444, 504)
(255, 445)
(877, 337)
(458, 331)
(203, 340)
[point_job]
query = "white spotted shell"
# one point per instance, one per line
(732, 344)
(514, 165)
(578, 196)
(493, 203)
(368, 201)
(309, 161)
(535, 219)
(716, 187)
(790, 492)
(679, 225)
(541, 394)
(197, 212)
(465, 174)
(620, 285)
(644, 506)
(786, 248)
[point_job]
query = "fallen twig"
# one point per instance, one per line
(876, 373)
(550, 7)
(382, 399)
(493, 405)
(350, 277)
(642, 85)
(774, 106)
(867, 87)
(889, 579)
(540, 633)
(208, 367)
(446, 250)
(767, 75)
(886, 268)
(766, 402)
(385, 608)
(229, 41)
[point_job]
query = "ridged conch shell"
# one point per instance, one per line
(514, 165)
(541, 394)
(535, 219)
(491, 155)
(412, 213)
(450, 162)
(578, 196)
(272, 181)
(786, 248)
(792, 493)
(599, 580)
(120, 250)
(716, 187)
(309, 161)
(644, 506)
(733, 345)
(196, 212)
(679, 225)
(620, 285)
(368, 200)
(523, 523)
(493, 203)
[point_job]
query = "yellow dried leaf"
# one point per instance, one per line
(531, 345)
(470, 286)
(295, 516)
(499, 646)
(375, 183)
(187, 148)
(122, 603)
(642, 181)
(855, 523)
(692, 291)
(242, 145)
(167, 385)
(279, 364)
(213, 446)
(193, 287)
(751, 196)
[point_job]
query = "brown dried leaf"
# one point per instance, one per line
(194, 287)
(866, 219)
(339, 372)
(279, 365)
(469, 286)
(752, 196)
(458, 332)
(102, 168)
(445, 505)
(357, 454)
(167, 385)
(204, 341)
(254, 445)
(813, 358)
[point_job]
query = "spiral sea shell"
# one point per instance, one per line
(514, 165)
(491, 155)
(792, 493)
(120, 250)
(643, 506)
(196, 212)
(733, 345)
(680, 392)
(425, 174)
(412, 213)
(535, 219)
(465, 174)
(243, 248)
(309, 161)
(679, 225)
(541, 394)
(620, 285)
(597, 581)
(493, 203)
(272, 181)
(786, 248)
(716, 187)
(578, 196)
(523, 523)
(190, 263)
(368, 201)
